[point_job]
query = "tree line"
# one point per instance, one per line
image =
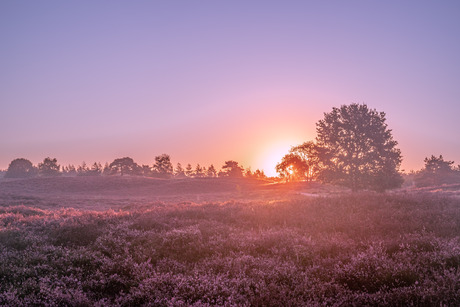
(354, 148)
(162, 168)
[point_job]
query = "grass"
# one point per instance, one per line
(365, 249)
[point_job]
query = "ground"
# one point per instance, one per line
(129, 241)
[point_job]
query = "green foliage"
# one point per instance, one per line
(357, 150)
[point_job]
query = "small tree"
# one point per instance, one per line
(211, 171)
(96, 169)
(82, 170)
(163, 167)
(179, 171)
(308, 152)
(146, 170)
(259, 174)
(106, 170)
(292, 167)
(21, 168)
(189, 170)
(437, 171)
(69, 170)
(124, 166)
(49, 167)
(357, 150)
(199, 172)
(232, 169)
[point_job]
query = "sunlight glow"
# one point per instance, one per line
(273, 156)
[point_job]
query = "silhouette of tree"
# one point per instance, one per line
(21, 168)
(301, 163)
(248, 173)
(82, 170)
(69, 170)
(95, 170)
(437, 171)
(189, 170)
(179, 171)
(232, 169)
(163, 167)
(308, 152)
(199, 172)
(211, 171)
(146, 170)
(259, 174)
(124, 166)
(106, 170)
(292, 167)
(357, 150)
(49, 167)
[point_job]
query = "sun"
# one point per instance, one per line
(273, 155)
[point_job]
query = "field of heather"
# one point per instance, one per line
(132, 242)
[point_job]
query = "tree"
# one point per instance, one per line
(259, 174)
(199, 172)
(308, 152)
(301, 163)
(69, 170)
(292, 167)
(146, 170)
(356, 149)
(82, 170)
(124, 166)
(96, 169)
(163, 167)
(106, 170)
(437, 171)
(179, 171)
(49, 167)
(211, 171)
(189, 170)
(232, 169)
(21, 168)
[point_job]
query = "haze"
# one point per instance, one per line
(211, 81)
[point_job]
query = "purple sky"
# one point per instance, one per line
(209, 81)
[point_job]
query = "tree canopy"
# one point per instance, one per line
(163, 167)
(124, 166)
(49, 167)
(437, 171)
(231, 169)
(21, 168)
(357, 150)
(301, 163)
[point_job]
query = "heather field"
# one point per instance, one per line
(134, 242)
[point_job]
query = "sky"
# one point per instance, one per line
(211, 81)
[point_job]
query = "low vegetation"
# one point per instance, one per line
(362, 249)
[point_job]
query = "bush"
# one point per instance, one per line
(364, 249)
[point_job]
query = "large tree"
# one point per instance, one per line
(357, 150)
(20, 168)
